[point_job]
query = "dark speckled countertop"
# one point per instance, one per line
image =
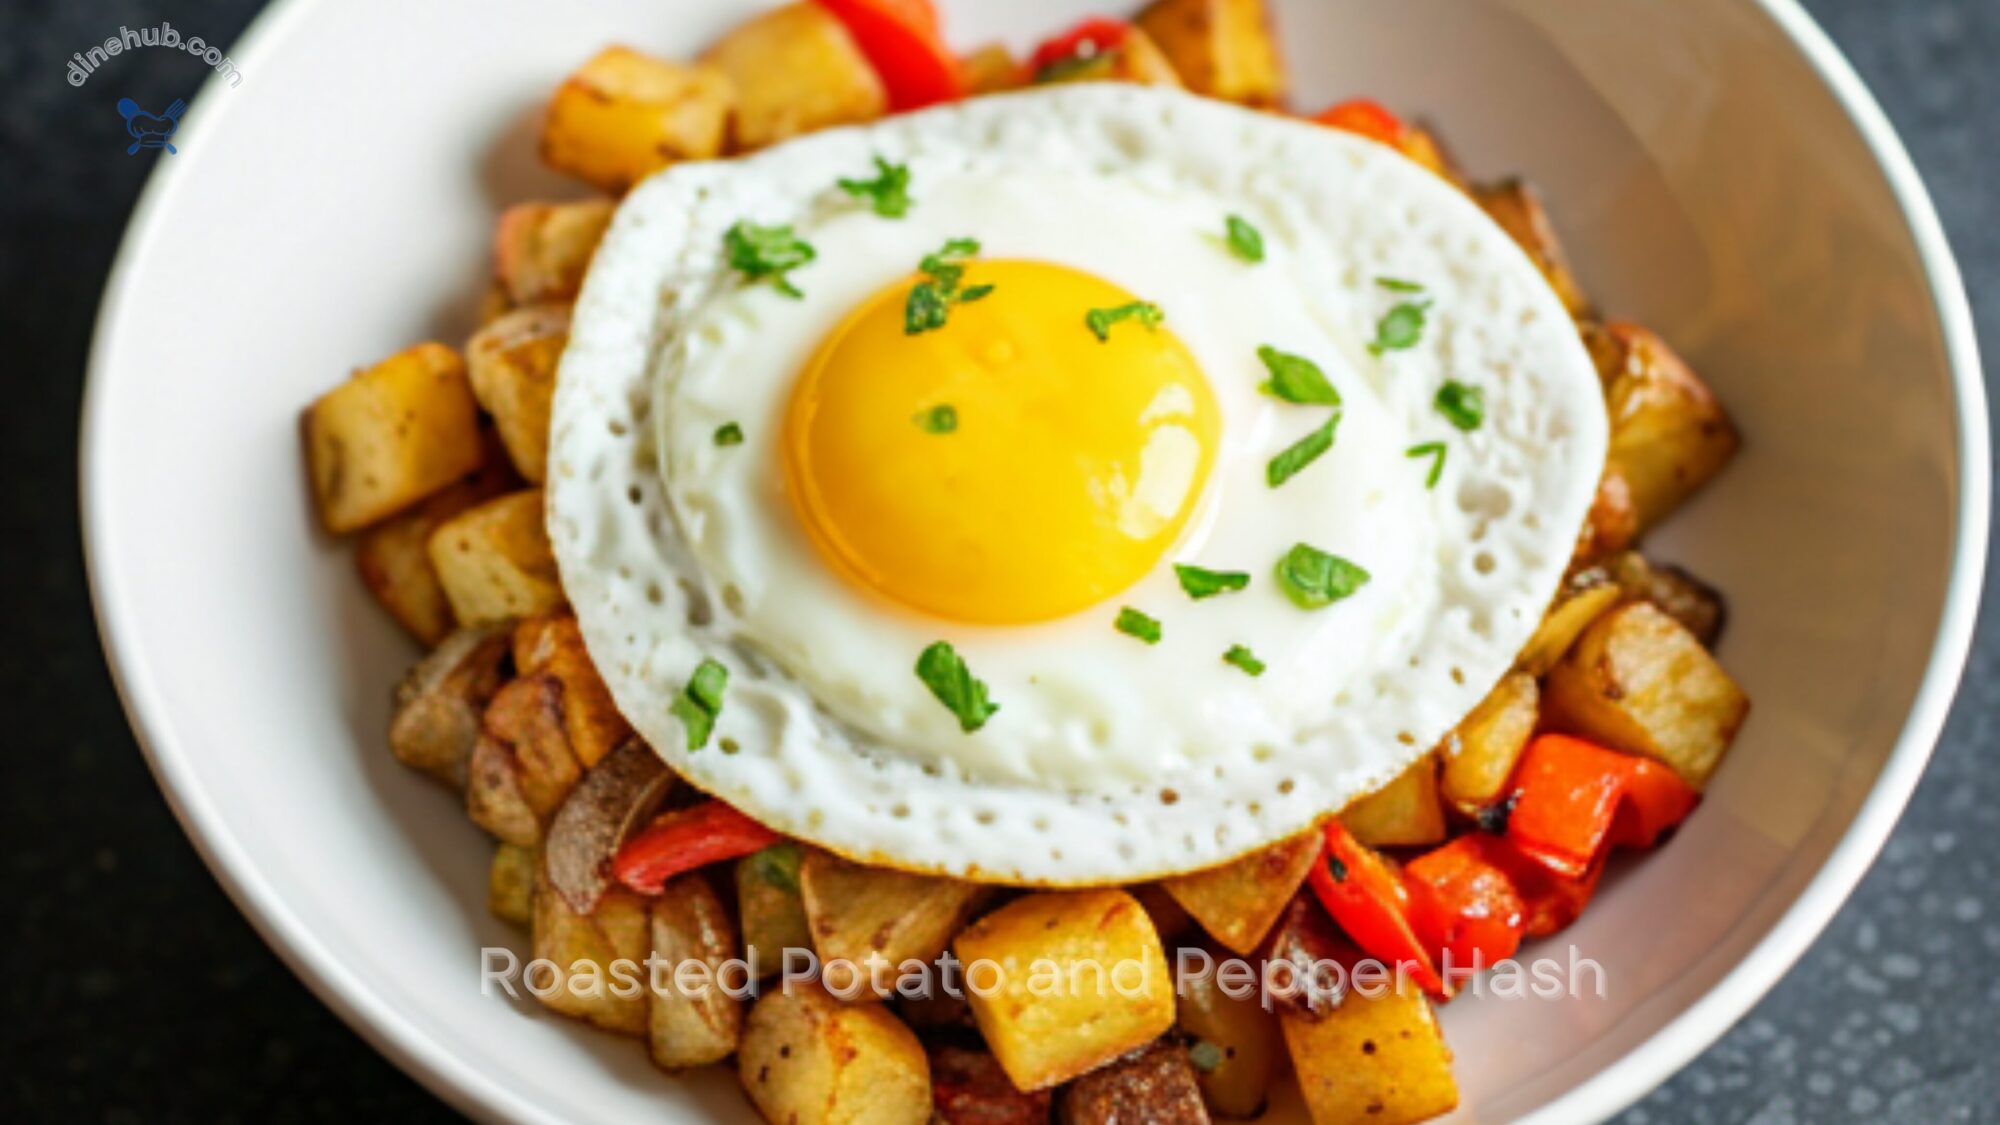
(135, 992)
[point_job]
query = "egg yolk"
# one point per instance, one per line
(1009, 466)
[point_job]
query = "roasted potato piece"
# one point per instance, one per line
(510, 883)
(1669, 435)
(807, 1059)
(1115, 992)
(600, 811)
(1518, 210)
(1405, 812)
(1238, 901)
(512, 365)
(522, 766)
(439, 703)
(1638, 681)
(1695, 604)
(553, 643)
(1155, 1085)
(394, 556)
(1423, 146)
(1221, 48)
(1582, 600)
(767, 898)
(858, 912)
(692, 1022)
(623, 116)
(990, 70)
(542, 250)
(969, 1088)
(391, 435)
(1234, 1046)
(795, 70)
(599, 957)
(1479, 756)
(494, 560)
(1377, 1058)
(1296, 956)
(1612, 522)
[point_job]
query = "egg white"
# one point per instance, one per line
(1109, 760)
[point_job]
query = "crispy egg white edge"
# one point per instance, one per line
(618, 548)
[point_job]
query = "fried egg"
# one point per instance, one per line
(1034, 596)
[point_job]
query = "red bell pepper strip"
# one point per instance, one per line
(682, 840)
(1573, 799)
(1369, 901)
(1464, 905)
(1368, 118)
(1092, 39)
(902, 41)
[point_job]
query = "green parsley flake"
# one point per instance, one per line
(1205, 1056)
(888, 193)
(762, 253)
(939, 419)
(729, 433)
(1296, 379)
(1245, 659)
(700, 702)
(1245, 241)
(1200, 583)
(1433, 450)
(1463, 406)
(778, 865)
(1397, 285)
(1314, 579)
(1302, 452)
(1400, 328)
(963, 695)
(1099, 321)
(931, 301)
(1132, 623)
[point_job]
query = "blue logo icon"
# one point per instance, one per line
(150, 130)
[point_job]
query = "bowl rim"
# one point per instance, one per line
(1617, 1086)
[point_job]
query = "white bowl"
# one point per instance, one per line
(1720, 173)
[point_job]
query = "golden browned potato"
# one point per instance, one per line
(542, 250)
(1234, 1045)
(494, 560)
(1423, 146)
(390, 436)
(613, 798)
(807, 1059)
(522, 766)
(394, 556)
(858, 912)
(969, 1088)
(773, 913)
(1238, 901)
(1518, 210)
(1581, 601)
(1405, 812)
(439, 703)
(1479, 756)
(1687, 599)
(693, 1020)
(795, 70)
(1112, 992)
(1155, 1085)
(510, 883)
(1377, 1058)
(512, 366)
(1612, 522)
(1669, 435)
(990, 70)
(623, 116)
(1221, 48)
(553, 643)
(600, 957)
(1638, 681)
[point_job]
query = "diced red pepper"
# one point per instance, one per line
(1570, 795)
(682, 840)
(903, 42)
(1368, 900)
(1368, 118)
(1093, 38)
(1463, 903)
(1656, 799)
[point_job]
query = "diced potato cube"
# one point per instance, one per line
(600, 957)
(553, 643)
(858, 912)
(1221, 48)
(1242, 1048)
(440, 703)
(1518, 209)
(493, 797)
(1576, 606)
(523, 763)
(692, 1020)
(773, 913)
(1238, 901)
(990, 70)
(512, 364)
(1109, 991)
(796, 70)
(494, 560)
(1638, 681)
(1479, 756)
(1423, 146)
(1405, 812)
(510, 883)
(1687, 599)
(390, 436)
(808, 1059)
(1612, 522)
(1374, 1058)
(1156, 1086)
(1669, 435)
(623, 116)
(394, 556)
(542, 250)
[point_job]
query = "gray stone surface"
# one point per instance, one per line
(134, 992)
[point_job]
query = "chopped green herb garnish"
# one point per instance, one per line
(729, 433)
(931, 300)
(1078, 66)
(1099, 321)
(888, 193)
(1314, 579)
(1302, 452)
(1463, 406)
(963, 695)
(1400, 328)
(700, 702)
(767, 253)
(1397, 285)
(1200, 583)
(939, 419)
(1433, 450)
(778, 865)
(1295, 378)
(1246, 241)
(1336, 869)
(1205, 1056)
(1132, 623)
(1245, 659)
